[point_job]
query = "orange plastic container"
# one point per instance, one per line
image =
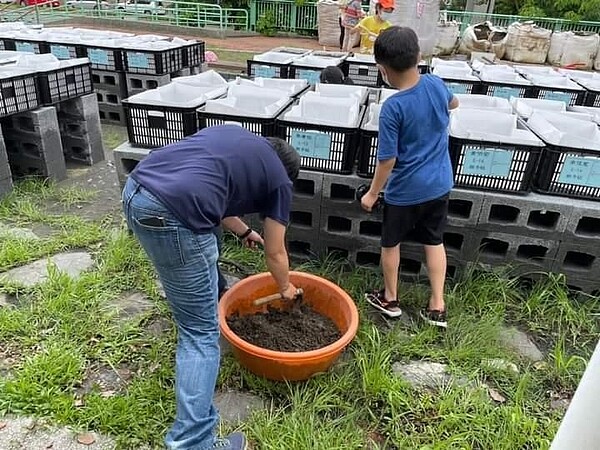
(323, 296)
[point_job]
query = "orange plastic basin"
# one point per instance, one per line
(323, 296)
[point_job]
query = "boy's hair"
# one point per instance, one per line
(288, 156)
(397, 48)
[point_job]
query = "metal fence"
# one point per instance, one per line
(178, 13)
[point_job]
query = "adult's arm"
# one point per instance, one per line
(277, 257)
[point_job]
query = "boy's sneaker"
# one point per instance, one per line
(235, 441)
(390, 308)
(435, 317)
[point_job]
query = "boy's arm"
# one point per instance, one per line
(387, 152)
(453, 103)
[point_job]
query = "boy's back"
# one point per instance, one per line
(413, 129)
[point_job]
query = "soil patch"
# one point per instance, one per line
(298, 328)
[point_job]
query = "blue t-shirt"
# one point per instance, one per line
(413, 129)
(219, 172)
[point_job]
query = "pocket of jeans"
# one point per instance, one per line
(162, 244)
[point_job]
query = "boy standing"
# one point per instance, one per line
(414, 161)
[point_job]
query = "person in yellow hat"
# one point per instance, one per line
(371, 26)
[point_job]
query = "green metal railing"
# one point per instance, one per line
(502, 20)
(286, 15)
(178, 13)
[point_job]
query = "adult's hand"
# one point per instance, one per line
(253, 240)
(290, 292)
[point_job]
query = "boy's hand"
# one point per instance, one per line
(368, 201)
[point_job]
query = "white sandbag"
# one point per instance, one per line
(527, 43)
(573, 49)
(328, 23)
(476, 38)
(420, 15)
(597, 62)
(498, 38)
(448, 35)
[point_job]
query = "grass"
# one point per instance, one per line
(64, 328)
(233, 56)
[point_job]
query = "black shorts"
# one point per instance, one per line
(423, 223)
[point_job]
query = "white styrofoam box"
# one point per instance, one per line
(178, 95)
(467, 101)
(342, 91)
(455, 73)
(491, 126)
(289, 86)
(594, 113)
(254, 103)
(524, 107)
(386, 93)
(437, 62)
(332, 111)
(504, 77)
(275, 57)
(563, 130)
(558, 82)
(371, 121)
(210, 78)
(320, 60)
(537, 70)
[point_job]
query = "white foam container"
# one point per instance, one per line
(491, 126)
(288, 86)
(315, 109)
(484, 102)
(178, 95)
(524, 107)
(563, 130)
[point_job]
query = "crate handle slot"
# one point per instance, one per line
(157, 119)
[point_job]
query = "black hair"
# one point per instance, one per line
(288, 156)
(397, 48)
(334, 75)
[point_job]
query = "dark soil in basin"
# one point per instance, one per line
(297, 328)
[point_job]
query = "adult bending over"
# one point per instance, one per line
(173, 201)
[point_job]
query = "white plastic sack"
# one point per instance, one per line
(573, 48)
(597, 63)
(447, 38)
(527, 43)
(328, 23)
(476, 38)
(498, 37)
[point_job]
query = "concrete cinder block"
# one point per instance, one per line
(308, 187)
(535, 215)
(583, 284)
(5, 172)
(584, 223)
(114, 82)
(33, 144)
(578, 259)
(137, 82)
(6, 186)
(126, 158)
(464, 207)
(111, 114)
(110, 98)
(81, 132)
(524, 253)
(302, 243)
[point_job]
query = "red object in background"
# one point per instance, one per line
(53, 3)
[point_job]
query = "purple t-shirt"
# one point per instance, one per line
(219, 172)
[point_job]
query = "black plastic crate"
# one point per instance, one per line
(261, 126)
(18, 94)
(310, 74)
(66, 51)
(104, 58)
(363, 73)
(424, 68)
(193, 54)
(159, 62)
(367, 153)
(27, 46)
(592, 98)
(506, 90)
(62, 84)
(322, 148)
(493, 166)
(152, 126)
(463, 86)
(569, 172)
(569, 96)
(267, 69)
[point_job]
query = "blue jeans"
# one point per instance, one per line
(186, 263)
